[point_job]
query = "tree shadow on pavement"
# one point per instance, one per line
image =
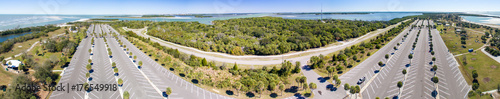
(306, 67)
(292, 89)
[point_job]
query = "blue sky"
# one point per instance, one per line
(236, 6)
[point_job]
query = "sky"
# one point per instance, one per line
(140, 7)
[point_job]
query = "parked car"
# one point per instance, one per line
(361, 80)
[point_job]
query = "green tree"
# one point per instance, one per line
(346, 86)
(238, 86)
(282, 88)
(434, 68)
(12, 93)
(168, 91)
(312, 86)
(338, 82)
(302, 79)
(475, 86)
(400, 84)
(115, 70)
(89, 67)
(140, 63)
(330, 70)
(204, 62)
(297, 67)
(272, 86)
(36, 52)
(404, 71)
(380, 64)
(386, 56)
(126, 95)
(474, 74)
(48, 80)
(435, 79)
(261, 86)
(120, 81)
(304, 86)
(235, 67)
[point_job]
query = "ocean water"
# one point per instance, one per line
(206, 20)
(375, 16)
(488, 20)
(12, 21)
(3, 38)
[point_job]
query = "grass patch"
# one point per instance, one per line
(485, 66)
(452, 40)
(23, 46)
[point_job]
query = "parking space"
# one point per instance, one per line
(75, 72)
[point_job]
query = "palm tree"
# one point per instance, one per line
(282, 88)
(303, 79)
(261, 86)
(346, 86)
(238, 86)
(298, 81)
(337, 82)
(312, 86)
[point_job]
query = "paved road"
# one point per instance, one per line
(271, 59)
(276, 59)
(75, 72)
